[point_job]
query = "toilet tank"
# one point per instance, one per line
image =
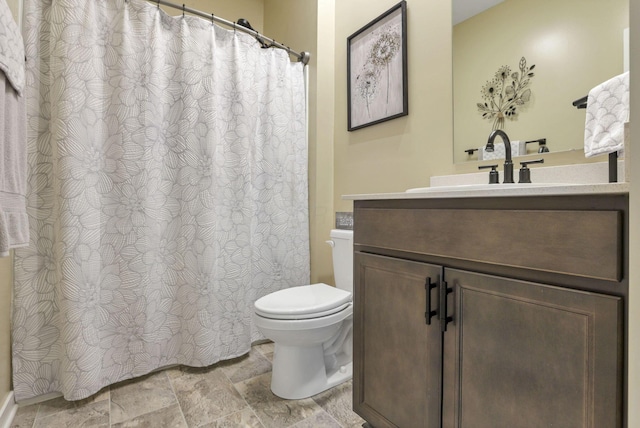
(342, 247)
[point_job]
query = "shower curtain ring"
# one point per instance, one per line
(183, 10)
(158, 4)
(212, 19)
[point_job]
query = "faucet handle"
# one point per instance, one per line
(494, 176)
(525, 172)
(525, 163)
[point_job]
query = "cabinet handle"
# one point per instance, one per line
(428, 286)
(442, 309)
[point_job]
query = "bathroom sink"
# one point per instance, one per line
(482, 187)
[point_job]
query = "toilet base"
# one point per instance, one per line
(299, 372)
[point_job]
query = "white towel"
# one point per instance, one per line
(14, 222)
(518, 148)
(11, 49)
(607, 112)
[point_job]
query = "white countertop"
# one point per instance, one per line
(501, 191)
(578, 179)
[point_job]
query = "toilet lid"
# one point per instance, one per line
(303, 302)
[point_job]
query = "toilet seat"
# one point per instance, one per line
(303, 302)
(306, 325)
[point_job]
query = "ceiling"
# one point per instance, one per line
(465, 9)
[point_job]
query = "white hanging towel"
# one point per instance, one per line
(14, 223)
(607, 112)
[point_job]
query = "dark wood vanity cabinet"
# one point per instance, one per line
(523, 354)
(445, 336)
(400, 356)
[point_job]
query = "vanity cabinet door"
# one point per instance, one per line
(522, 354)
(397, 355)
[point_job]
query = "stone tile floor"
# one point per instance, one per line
(233, 393)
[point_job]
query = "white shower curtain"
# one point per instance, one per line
(167, 192)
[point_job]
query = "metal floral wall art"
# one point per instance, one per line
(377, 70)
(506, 94)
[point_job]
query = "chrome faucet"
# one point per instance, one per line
(508, 163)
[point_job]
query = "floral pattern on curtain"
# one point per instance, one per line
(167, 192)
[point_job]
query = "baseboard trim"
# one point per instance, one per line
(39, 399)
(8, 411)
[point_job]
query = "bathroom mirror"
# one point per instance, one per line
(574, 45)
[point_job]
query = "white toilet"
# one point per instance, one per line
(311, 326)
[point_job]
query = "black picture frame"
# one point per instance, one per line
(377, 88)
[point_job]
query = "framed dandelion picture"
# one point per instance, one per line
(377, 70)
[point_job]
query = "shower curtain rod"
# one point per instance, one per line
(303, 57)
